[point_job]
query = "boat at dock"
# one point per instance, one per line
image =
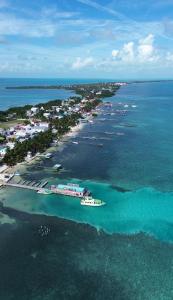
(17, 173)
(44, 191)
(48, 155)
(70, 189)
(89, 201)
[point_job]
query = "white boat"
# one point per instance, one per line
(48, 155)
(89, 201)
(44, 191)
(57, 167)
(17, 173)
(75, 143)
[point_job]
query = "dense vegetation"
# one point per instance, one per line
(2, 139)
(37, 144)
(41, 141)
(63, 125)
(20, 111)
(91, 105)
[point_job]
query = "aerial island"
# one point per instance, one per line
(29, 130)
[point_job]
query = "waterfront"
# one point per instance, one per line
(131, 172)
(9, 98)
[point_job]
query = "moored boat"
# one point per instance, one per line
(17, 173)
(75, 143)
(48, 155)
(57, 167)
(89, 201)
(44, 191)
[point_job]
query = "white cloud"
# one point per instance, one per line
(115, 53)
(141, 52)
(80, 63)
(148, 40)
(146, 50)
(127, 53)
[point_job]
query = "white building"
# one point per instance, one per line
(29, 156)
(21, 134)
(3, 151)
(46, 115)
(10, 145)
(34, 110)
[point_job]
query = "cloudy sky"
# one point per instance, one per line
(86, 38)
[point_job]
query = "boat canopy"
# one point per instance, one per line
(71, 188)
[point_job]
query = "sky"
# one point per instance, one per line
(117, 39)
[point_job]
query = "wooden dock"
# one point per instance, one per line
(37, 186)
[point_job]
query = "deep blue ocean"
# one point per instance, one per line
(132, 172)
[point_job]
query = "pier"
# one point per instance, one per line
(35, 186)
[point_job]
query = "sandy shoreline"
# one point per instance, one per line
(21, 167)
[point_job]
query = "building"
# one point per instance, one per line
(47, 115)
(3, 150)
(34, 110)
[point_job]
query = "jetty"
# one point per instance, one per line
(35, 186)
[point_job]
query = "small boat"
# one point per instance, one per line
(89, 201)
(75, 143)
(17, 173)
(102, 119)
(48, 155)
(120, 133)
(107, 132)
(44, 191)
(57, 167)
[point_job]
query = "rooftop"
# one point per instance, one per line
(71, 188)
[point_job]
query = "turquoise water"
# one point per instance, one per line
(132, 172)
(145, 210)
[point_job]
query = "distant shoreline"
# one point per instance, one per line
(71, 86)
